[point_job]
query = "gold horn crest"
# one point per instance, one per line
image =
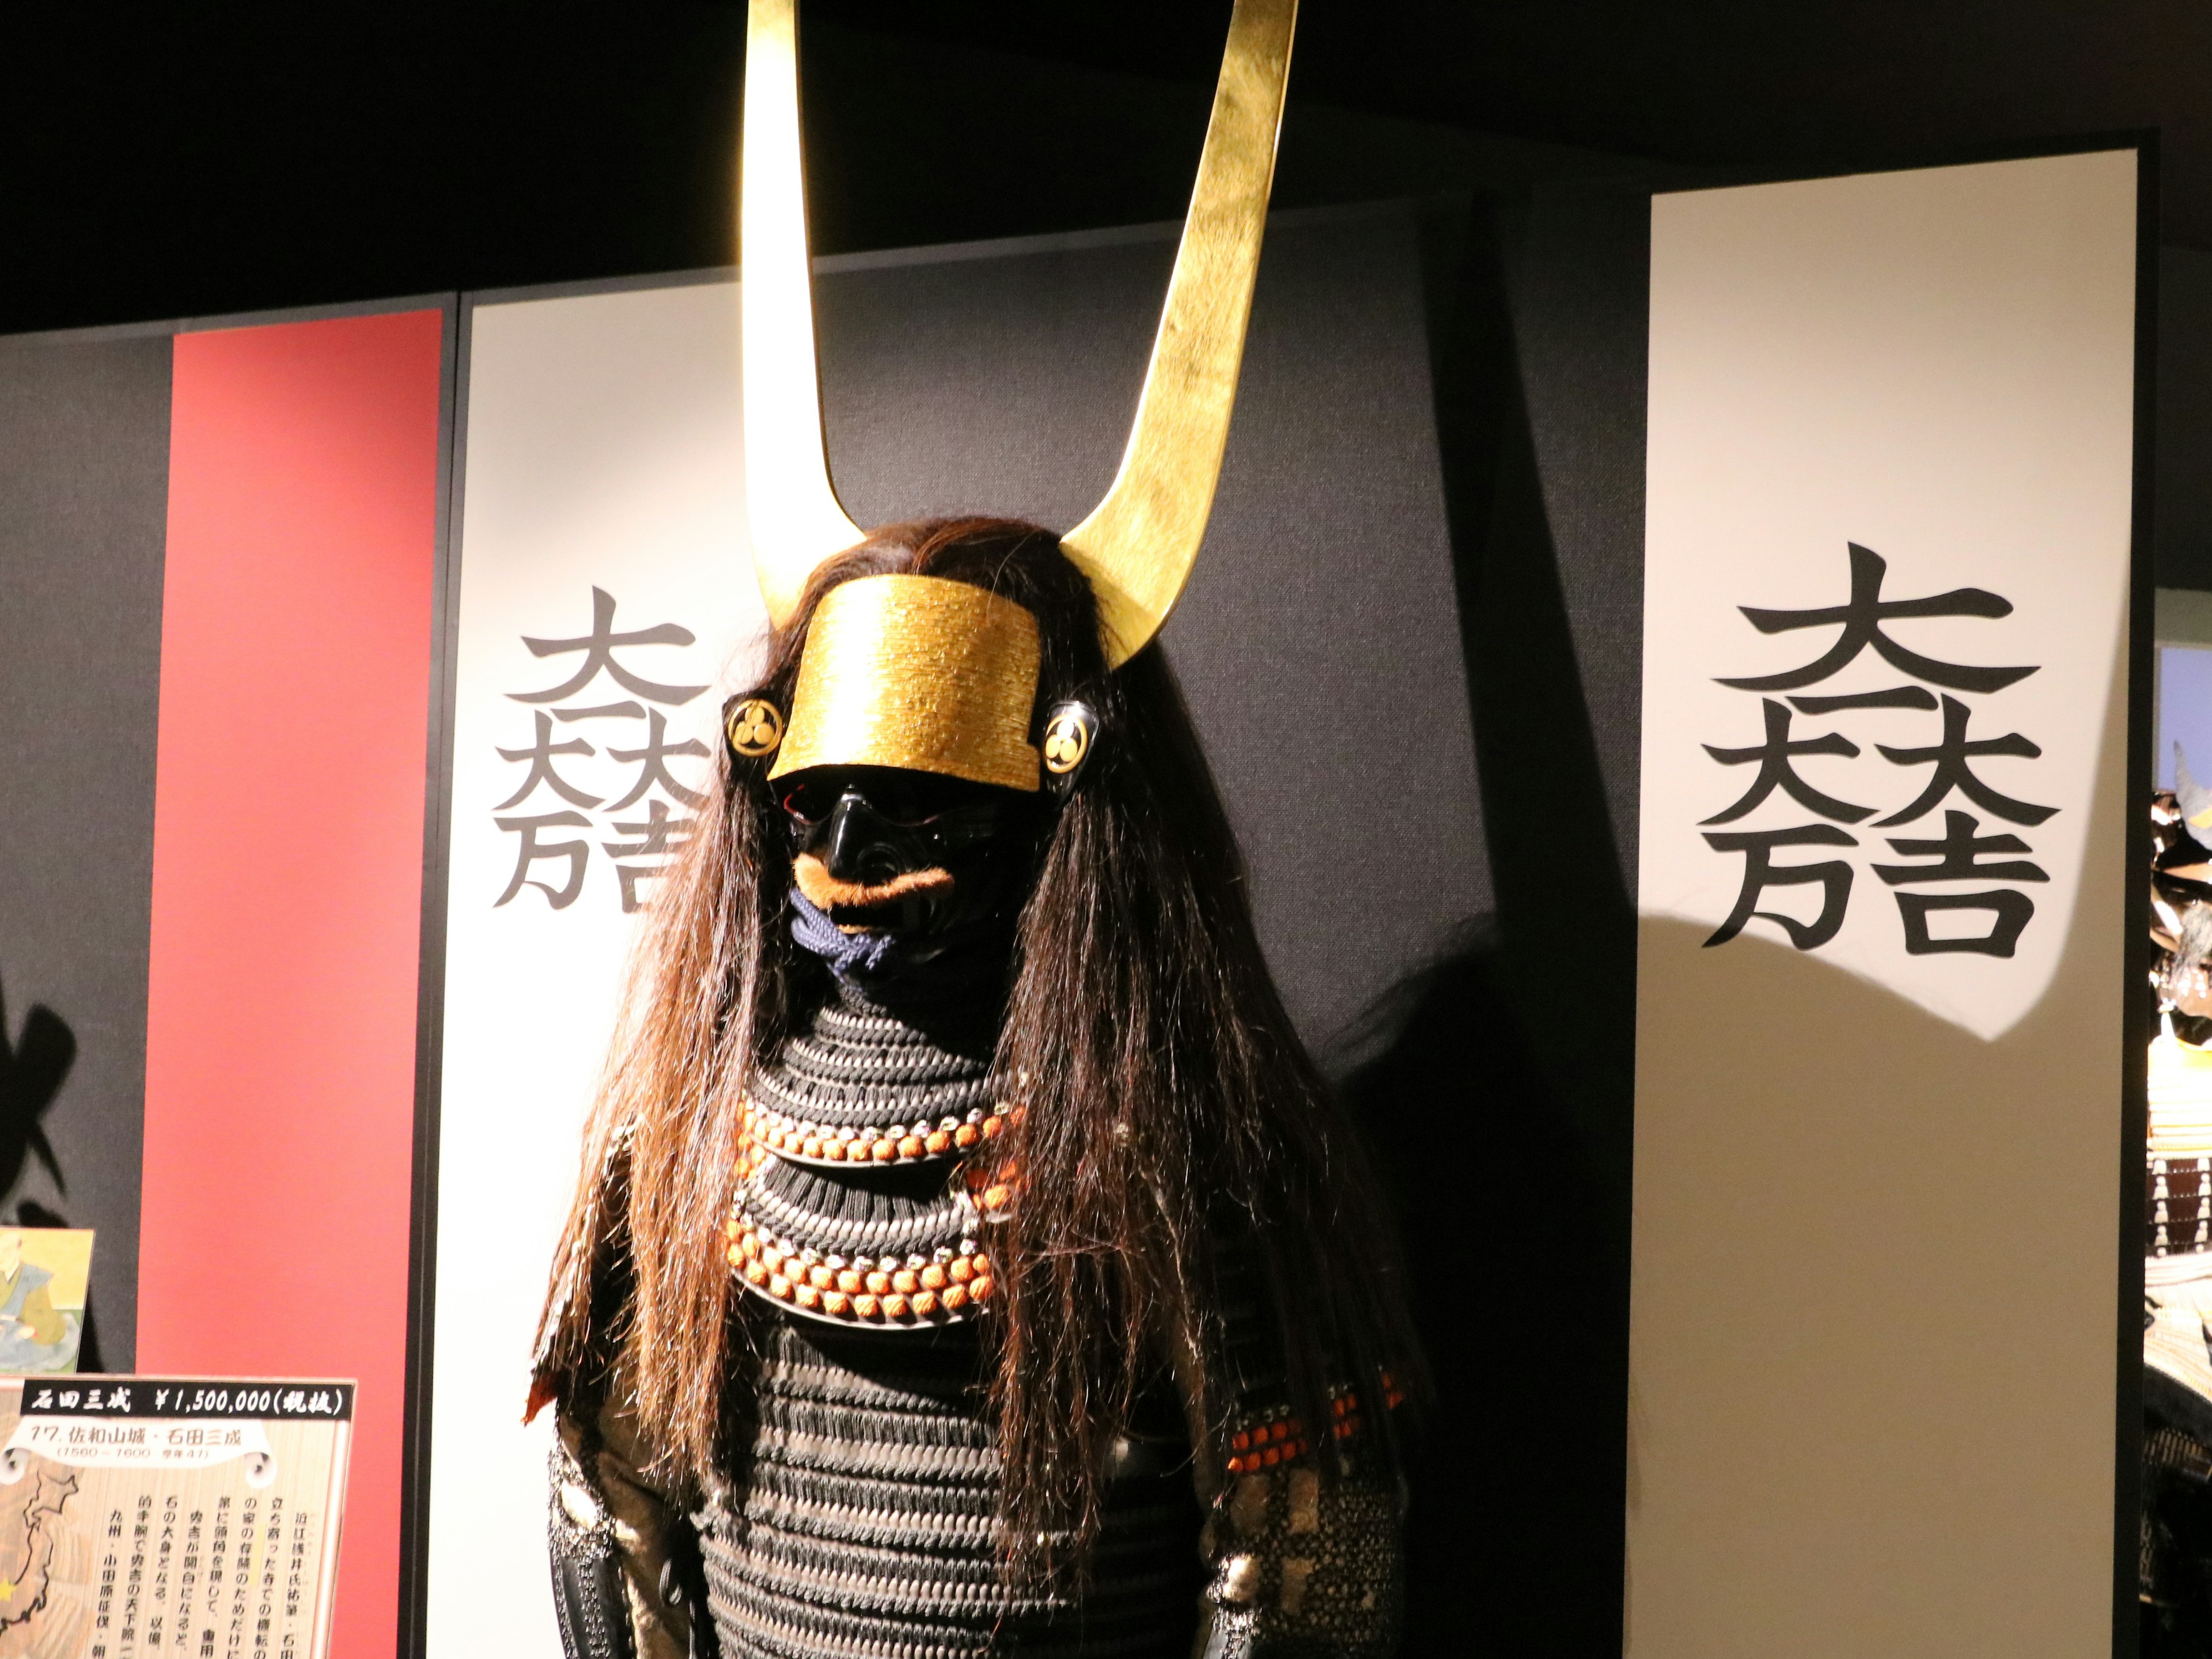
(1139, 544)
(796, 519)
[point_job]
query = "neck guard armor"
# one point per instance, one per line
(851, 1206)
(861, 1521)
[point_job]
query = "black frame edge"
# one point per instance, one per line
(430, 995)
(2137, 1023)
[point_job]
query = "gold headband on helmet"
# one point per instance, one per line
(919, 673)
(1137, 546)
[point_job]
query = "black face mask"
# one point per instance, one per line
(921, 856)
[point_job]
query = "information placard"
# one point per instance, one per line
(144, 1516)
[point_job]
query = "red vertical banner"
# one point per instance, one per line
(288, 872)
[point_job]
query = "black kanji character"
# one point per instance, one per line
(599, 649)
(1902, 696)
(662, 834)
(654, 770)
(1957, 856)
(1761, 872)
(1950, 756)
(2010, 910)
(1775, 770)
(540, 757)
(627, 711)
(1861, 619)
(630, 875)
(529, 853)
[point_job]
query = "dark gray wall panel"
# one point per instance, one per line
(1500, 1094)
(1321, 642)
(84, 441)
(1577, 273)
(2183, 540)
(1318, 642)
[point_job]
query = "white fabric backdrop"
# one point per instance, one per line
(602, 451)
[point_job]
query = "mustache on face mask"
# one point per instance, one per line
(857, 904)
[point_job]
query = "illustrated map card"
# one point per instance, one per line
(43, 1274)
(147, 1517)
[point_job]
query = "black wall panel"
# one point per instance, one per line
(84, 444)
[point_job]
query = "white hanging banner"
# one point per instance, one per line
(1890, 487)
(607, 607)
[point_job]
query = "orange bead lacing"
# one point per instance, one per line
(1277, 1437)
(938, 1292)
(1264, 1444)
(953, 1286)
(898, 1143)
(993, 1187)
